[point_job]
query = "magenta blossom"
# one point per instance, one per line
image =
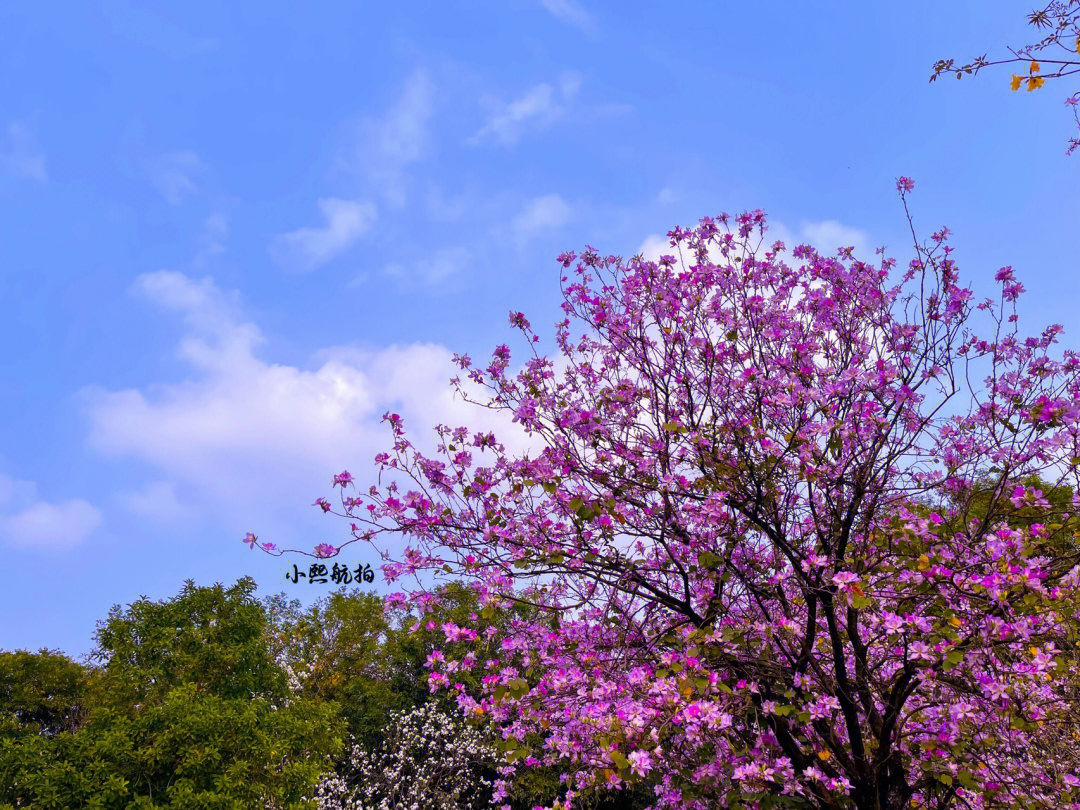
(775, 539)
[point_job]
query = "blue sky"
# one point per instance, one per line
(233, 234)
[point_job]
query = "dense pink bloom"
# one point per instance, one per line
(752, 528)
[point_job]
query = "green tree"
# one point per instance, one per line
(42, 693)
(190, 711)
(353, 649)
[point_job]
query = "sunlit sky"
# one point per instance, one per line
(232, 235)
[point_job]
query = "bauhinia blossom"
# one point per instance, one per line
(780, 532)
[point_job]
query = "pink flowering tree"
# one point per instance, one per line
(762, 530)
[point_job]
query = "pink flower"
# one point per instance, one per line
(640, 762)
(905, 184)
(892, 623)
(844, 579)
(324, 550)
(251, 540)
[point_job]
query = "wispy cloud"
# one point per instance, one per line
(400, 137)
(158, 501)
(542, 213)
(215, 232)
(27, 521)
(21, 155)
(174, 173)
(571, 12)
(431, 271)
(538, 107)
(308, 248)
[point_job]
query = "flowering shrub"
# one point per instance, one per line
(427, 760)
(768, 537)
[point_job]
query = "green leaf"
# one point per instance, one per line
(707, 559)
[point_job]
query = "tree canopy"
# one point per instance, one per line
(767, 533)
(187, 710)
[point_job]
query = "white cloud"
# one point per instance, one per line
(16, 493)
(45, 525)
(826, 236)
(830, 235)
(570, 11)
(22, 156)
(538, 107)
(307, 248)
(246, 438)
(542, 213)
(158, 501)
(173, 174)
(654, 247)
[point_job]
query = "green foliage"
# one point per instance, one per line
(190, 711)
(210, 637)
(986, 502)
(42, 693)
(349, 649)
(339, 652)
(188, 703)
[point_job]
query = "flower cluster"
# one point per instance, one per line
(428, 760)
(781, 537)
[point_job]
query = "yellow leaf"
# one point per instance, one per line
(1015, 83)
(954, 621)
(824, 756)
(1035, 82)
(924, 562)
(1034, 67)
